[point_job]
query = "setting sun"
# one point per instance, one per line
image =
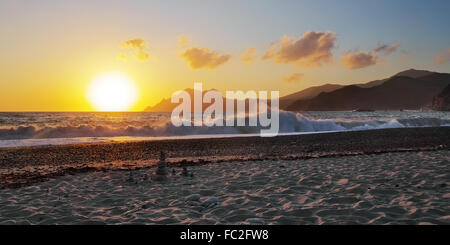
(112, 91)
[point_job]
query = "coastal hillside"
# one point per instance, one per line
(398, 92)
(312, 92)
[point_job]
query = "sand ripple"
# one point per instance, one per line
(392, 188)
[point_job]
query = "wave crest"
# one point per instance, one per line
(289, 123)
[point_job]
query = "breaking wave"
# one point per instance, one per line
(289, 123)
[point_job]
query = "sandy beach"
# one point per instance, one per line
(391, 176)
(389, 188)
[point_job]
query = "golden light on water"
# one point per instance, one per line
(113, 91)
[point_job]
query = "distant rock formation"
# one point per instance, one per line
(441, 102)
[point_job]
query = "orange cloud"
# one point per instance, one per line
(443, 57)
(137, 45)
(250, 55)
(204, 58)
(359, 59)
(293, 78)
(311, 49)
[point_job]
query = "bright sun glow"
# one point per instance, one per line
(112, 91)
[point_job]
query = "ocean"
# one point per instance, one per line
(54, 128)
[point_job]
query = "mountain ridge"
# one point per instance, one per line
(397, 93)
(310, 95)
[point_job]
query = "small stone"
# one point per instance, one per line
(193, 197)
(342, 182)
(213, 201)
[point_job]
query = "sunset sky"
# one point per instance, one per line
(51, 51)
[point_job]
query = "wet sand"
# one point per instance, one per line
(27, 165)
(389, 188)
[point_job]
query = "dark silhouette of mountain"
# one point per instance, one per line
(312, 92)
(407, 73)
(409, 89)
(397, 92)
(371, 83)
(441, 102)
(414, 73)
(308, 93)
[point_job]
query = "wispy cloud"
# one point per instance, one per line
(249, 55)
(386, 49)
(293, 78)
(184, 40)
(203, 57)
(311, 49)
(443, 57)
(405, 57)
(137, 46)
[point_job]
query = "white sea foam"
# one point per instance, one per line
(54, 129)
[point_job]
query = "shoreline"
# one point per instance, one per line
(22, 166)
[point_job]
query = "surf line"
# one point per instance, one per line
(260, 109)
